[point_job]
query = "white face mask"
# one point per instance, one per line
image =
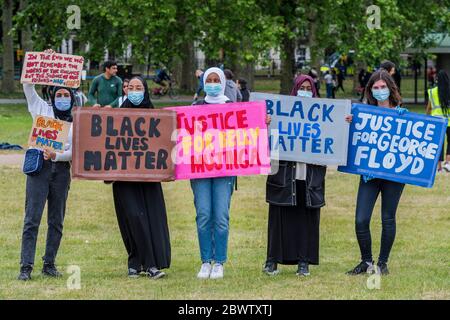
(304, 94)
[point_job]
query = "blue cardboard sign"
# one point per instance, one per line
(402, 148)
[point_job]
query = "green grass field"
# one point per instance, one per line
(419, 265)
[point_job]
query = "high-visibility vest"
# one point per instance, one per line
(436, 109)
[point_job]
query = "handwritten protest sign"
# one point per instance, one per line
(309, 130)
(398, 148)
(54, 69)
(123, 144)
(48, 133)
(221, 140)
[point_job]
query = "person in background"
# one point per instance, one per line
(50, 185)
(381, 92)
(340, 80)
(329, 84)
(163, 79)
(389, 66)
(199, 76)
(438, 106)
(245, 93)
(80, 97)
(212, 196)
(313, 74)
(231, 90)
(141, 210)
(431, 76)
(124, 95)
(106, 88)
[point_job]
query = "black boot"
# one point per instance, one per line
(382, 268)
(303, 269)
(49, 269)
(362, 267)
(270, 268)
(25, 273)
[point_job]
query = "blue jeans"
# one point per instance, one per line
(330, 89)
(212, 198)
(367, 196)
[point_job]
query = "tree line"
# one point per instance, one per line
(233, 32)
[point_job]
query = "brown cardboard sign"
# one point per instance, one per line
(123, 144)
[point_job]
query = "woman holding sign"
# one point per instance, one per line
(212, 196)
(48, 185)
(141, 210)
(295, 195)
(381, 91)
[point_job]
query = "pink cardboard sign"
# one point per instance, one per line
(218, 140)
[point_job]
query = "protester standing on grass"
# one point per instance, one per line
(141, 210)
(212, 196)
(295, 194)
(199, 75)
(124, 96)
(438, 106)
(231, 89)
(381, 92)
(329, 84)
(242, 87)
(50, 185)
(106, 88)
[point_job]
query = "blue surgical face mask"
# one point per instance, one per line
(213, 89)
(381, 94)
(304, 94)
(136, 97)
(63, 103)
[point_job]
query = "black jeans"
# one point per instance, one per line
(443, 152)
(367, 196)
(52, 184)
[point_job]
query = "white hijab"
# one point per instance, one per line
(221, 98)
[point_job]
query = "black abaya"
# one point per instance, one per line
(293, 234)
(141, 214)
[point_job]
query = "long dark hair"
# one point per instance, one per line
(443, 85)
(394, 98)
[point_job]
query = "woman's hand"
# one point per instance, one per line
(49, 51)
(107, 106)
(96, 106)
(49, 155)
(268, 119)
(349, 118)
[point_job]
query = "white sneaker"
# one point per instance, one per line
(446, 166)
(217, 271)
(205, 271)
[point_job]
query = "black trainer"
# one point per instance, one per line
(363, 267)
(25, 273)
(154, 273)
(303, 269)
(133, 273)
(270, 268)
(382, 268)
(49, 270)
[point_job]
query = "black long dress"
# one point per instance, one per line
(142, 218)
(293, 234)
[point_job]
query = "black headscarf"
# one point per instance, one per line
(62, 115)
(146, 102)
